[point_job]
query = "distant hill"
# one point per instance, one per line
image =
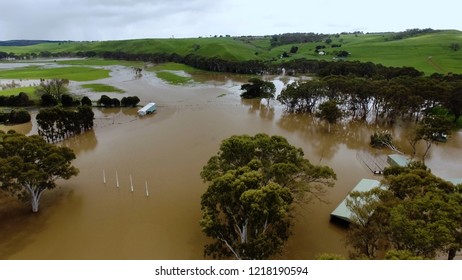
(21, 43)
(427, 50)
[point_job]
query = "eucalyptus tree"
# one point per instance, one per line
(453, 102)
(55, 124)
(85, 101)
(414, 213)
(254, 182)
(48, 100)
(257, 88)
(29, 166)
(303, 97)
(54, 87)
(330, 112)
(367, 231)
(430, 129)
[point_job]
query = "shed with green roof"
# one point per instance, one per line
(398, 160)
(342, 212)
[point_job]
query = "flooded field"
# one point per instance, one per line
(86, 218)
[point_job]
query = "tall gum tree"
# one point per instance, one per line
(254, 182)
(29, 166)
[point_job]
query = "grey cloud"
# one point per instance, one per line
(123, 19)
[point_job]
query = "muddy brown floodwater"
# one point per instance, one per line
(86, 218)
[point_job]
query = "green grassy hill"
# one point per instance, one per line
(428, 52)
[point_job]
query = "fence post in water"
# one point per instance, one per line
(104, 177)
(117, 179)
(131, 183)
(146, 185)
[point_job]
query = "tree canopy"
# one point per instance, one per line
(415, 212)
(29, 166)
(53, 87)
(257, 88)
(55, 124)
(432, 128)
(330, 112)
(253, 183)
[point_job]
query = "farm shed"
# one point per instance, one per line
(398, 160)
(342, 212)
(148, 109)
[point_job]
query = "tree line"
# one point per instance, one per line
(297, 66)
(15, 116)
(296, 38)
(127, 101)
(300, 66)
(401, 97)
(20, 100)
(57, 123)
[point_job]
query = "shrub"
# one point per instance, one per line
(86, 101)
(48, 100)
(19, 116)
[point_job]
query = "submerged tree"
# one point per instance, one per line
(253, 183)
(381, 139)
(53, 87)
(430, 130)
(257, 88)
(29, 166)
(55, 124)
(330, 112)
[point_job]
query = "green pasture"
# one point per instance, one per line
(429, 52)
(15, 91)
(74, 73)
(102, 88)
(171, 72)
(173, 78)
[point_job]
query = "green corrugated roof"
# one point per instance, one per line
(342, 210)
(399, 160)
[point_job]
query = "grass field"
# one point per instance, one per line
(175, 73)
(173, 78)
(15, 91)
(102, 88)
(429, 52)
(74, 73)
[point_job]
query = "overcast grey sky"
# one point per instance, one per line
(127, 19)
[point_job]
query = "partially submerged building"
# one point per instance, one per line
(398, 160)
(148, 109)
(342, 212)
